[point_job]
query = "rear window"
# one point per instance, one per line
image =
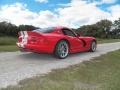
(44, 30)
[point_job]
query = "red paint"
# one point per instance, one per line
(46, 42)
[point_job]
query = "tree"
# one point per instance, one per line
(104, 27)
(8, 29)
(100, 29)
(116, 28)
(26, 27)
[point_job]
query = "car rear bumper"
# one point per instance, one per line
(35, 48)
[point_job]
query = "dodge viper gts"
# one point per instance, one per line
(59, 41)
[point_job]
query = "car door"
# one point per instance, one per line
(75, 42)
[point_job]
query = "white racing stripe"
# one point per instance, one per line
(25, 33)
(21, 33)
(24, 36)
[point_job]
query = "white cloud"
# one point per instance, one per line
(80, 13)
(76, 13)
(42, 1)
(100, 2)
(108, 1)
(45, 19)
(115, 12)
(17, 14)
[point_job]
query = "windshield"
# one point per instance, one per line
(45, 30)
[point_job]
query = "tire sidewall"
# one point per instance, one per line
(91, 46)
(56, 53)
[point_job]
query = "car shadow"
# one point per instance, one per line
(49, 57)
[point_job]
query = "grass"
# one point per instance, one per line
(101, 73)
(8, 48)
(8, 41)
(8, 44)
(100, 41)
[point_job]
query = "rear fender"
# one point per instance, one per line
(59, 41)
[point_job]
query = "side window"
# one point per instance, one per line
(68, 32)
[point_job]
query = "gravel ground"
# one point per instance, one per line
(16, 66)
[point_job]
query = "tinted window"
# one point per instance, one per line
(45, 30)
(68, 32)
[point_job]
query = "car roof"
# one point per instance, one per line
(60, 27)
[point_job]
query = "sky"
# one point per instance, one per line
(69, 13)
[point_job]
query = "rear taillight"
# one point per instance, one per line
(20, 39)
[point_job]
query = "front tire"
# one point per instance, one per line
(93, 46)
(62, 49)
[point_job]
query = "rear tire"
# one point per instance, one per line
(61, 49)
(93, 46)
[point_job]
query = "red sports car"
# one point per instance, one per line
(59, 41)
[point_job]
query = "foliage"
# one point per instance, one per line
(8, 29)
(116, 29)
(102, 29)
(8, 48)
(7, 41)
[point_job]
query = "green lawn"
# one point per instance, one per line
(8, 44)
(101, 73)
(107, 40)
(7, 41)
(8, 48)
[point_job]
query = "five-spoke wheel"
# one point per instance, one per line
(62, 49)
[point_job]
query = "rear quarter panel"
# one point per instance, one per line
(53, 39)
